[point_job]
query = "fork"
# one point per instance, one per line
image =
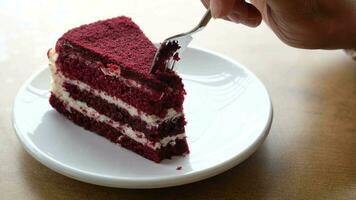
(182, 40)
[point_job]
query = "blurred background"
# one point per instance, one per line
(309, 154)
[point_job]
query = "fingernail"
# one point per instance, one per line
(216, 8)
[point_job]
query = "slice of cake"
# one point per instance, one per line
(101, 81)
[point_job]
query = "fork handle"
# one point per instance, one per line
(206, 18)
(203, 22)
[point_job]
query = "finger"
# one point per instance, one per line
(221, 8)
(261, 5)
(205, 3)
(245, 13)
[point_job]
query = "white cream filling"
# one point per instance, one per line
(151, 120)
(85, 110)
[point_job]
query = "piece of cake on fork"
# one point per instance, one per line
(101, 81)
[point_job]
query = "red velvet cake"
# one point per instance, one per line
(101, 81)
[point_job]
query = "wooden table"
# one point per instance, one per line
(310, 152)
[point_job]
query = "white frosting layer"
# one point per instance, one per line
(151, 120)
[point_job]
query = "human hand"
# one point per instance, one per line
(237, 11)
(300, 23)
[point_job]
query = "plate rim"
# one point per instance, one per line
(142, 183)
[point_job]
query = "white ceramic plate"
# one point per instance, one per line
(228, 110)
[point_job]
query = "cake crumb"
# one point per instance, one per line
(179, 168)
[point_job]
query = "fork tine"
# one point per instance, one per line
(173, 64)
(170, 64)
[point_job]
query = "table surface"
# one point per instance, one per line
(309, 153)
